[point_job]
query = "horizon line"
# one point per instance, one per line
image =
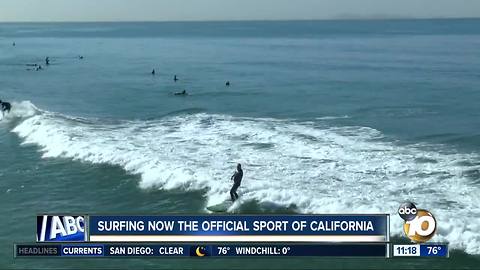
(255, 20)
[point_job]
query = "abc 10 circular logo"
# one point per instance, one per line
(420, 225)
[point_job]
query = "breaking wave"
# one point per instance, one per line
(309, 165)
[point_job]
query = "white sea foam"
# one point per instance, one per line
(317, 169)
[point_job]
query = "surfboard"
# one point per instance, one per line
(221, 207)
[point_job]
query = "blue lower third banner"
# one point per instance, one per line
(240, 228)
(193, 250)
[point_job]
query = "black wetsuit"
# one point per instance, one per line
(237, 180)
(6, 107)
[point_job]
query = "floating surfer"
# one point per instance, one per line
(227, 83)
(47, 61)
(175, 78)
(34, 67)
(183, 93)
(153, 72)
(237, 181)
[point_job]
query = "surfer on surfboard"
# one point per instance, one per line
(237, 180)
(5, 107)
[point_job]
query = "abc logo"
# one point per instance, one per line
(60, 228)
(407, 211)
(66, 225)
(420, 225)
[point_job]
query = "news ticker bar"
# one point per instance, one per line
(76, 250)
(102, 250)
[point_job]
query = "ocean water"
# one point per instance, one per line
(325, 117)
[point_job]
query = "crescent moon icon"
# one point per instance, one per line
(199, 254)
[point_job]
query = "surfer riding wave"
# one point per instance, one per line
(5, 107)
(237, 181)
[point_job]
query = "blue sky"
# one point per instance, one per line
(187, 10)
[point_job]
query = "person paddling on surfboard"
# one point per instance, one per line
(237, 180)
